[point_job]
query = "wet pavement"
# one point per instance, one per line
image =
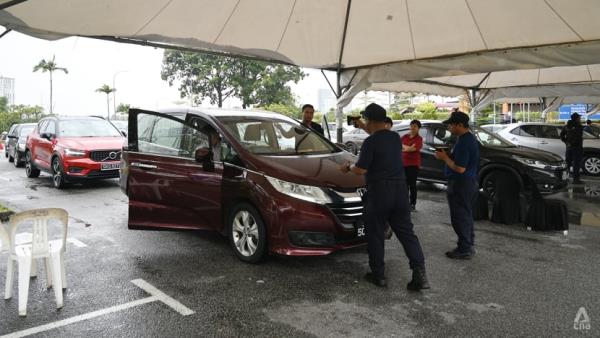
(520, 283)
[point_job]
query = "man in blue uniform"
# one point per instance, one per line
(386, 199)
(461, 171)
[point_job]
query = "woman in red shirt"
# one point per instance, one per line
(411, 159)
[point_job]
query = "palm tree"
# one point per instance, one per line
(49, 66)
(106, 90)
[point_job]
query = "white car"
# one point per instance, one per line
(546, 136)
(494, 128)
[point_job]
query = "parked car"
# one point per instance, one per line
(2, 140)
(354, 139)
(16, 141)
(10, 131)
(274, 185)
(546, 136)
(74, 149)
(121, 125)
(493, 128)
(528, 166)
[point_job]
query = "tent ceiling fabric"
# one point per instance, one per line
(311, 32)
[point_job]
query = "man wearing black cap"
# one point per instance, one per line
(461, 171)
(572, 136)
(386, 199)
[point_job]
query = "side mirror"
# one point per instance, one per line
(47, 136)
(11, 136)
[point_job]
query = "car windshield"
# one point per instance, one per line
(120, 124)
(276, 137)
(490, 140)
(88, 128)
(26, 130)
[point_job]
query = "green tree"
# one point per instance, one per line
(123, 108)
(428, 110)
(285, 109)
(3, 104)
(49, 66)
(106, 89)
(218, 78)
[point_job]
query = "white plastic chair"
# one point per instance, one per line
(25, 255)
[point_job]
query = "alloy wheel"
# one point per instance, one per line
(245, 233)
(57, 176)
(592, 165)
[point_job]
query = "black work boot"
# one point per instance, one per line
(419, 280)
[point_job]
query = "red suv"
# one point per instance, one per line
(74, 149)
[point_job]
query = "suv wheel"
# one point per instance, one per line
(58, 178)
(247, 233)
(30, 170)
(17, 159)
(591, 164)
(352, 147)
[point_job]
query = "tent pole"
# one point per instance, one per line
(339, 112)
(5, 32)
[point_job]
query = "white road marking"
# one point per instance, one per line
(156, 295)
(76, 242)
(5, 179)
(175, 305)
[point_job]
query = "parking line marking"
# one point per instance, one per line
(76, 242)
(5, 179)
(156, 295)
(175, 305)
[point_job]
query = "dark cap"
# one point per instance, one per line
(374, 112)
(458, 117)
(575, 116)
(388, 120)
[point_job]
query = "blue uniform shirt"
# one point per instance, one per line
(381, 156)
(465, 154)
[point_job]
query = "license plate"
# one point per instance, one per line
(360, 230)
(110, 166)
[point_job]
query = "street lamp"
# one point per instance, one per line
(115, 90)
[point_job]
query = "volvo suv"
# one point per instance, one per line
(74, 149)
(262, 179)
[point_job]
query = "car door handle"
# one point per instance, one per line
(431, 149)
(143, 165)
(543, 142)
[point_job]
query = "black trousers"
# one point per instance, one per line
(574, 157)
(412, 172)
(386, 201)
(461, 194)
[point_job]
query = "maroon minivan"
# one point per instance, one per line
(262, 179)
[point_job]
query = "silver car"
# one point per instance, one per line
(354, 138)
(546, 136)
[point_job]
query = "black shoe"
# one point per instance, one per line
(413, 208)
(379, 282)
(455, 254)
(419, 280)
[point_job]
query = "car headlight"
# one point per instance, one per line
(532, 163)
(74, 153)
(299, 191)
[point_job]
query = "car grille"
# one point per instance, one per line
(348, 212)
(103, 174)
(106, 155)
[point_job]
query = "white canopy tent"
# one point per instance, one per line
(364, 41)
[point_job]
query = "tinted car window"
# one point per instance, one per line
(87, 128)
(549, 132)
(488, 139)
(42, 125)
(441, 135)
(165, 136)
(527, 131)
(276, 137)
(50, 127)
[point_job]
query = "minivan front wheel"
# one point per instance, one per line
(591, 165)
(58, 178)
(247, 233)
(30, 170)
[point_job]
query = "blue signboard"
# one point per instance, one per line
(566, 110)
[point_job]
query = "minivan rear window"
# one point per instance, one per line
(276, 137)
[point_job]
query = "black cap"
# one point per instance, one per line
(458, 117)
(374, 112)
(388, 120)
(575, 116)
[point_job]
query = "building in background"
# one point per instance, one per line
(325, 100)
(7, 89)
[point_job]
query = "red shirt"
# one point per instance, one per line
(412, 158)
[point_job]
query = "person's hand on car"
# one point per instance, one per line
(345, 167)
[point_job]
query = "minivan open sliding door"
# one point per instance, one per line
(167, 187)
